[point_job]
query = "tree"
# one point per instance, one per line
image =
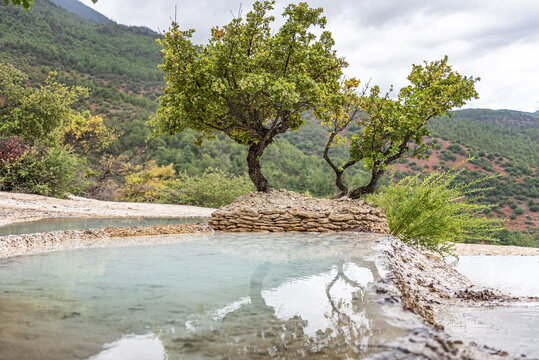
(248, 83)
(392, 128)
(36, 115)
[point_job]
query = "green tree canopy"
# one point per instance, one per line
(36, 115)
(393, 127)
(248, 83)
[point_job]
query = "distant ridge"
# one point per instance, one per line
(534, 114)
(76, 7)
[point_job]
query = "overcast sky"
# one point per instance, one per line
(497, 40)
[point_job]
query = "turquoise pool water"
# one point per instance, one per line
(238, 296)
(89, 223)
(514, 329)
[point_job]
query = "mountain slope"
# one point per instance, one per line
(513, 134)
(76, 7)
(50, 35)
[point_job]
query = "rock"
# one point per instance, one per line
(24, 244)
(282, 210)
(341, 217)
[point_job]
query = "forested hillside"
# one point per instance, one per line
(48, 35)
(513, 134)
(119, 66)
(80, 9)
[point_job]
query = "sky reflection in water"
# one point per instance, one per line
(242, 296)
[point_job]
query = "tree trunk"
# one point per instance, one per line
(255, 170)
(369, 188)
(338, 172)
(340, 185)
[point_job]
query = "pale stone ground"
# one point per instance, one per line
(18, 207)
(480, 249)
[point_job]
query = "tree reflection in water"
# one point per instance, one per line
(258, 330)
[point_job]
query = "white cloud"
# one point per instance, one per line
(493, 39)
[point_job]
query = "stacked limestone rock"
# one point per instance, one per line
(23, 244)
(158, 230)
(282, 210)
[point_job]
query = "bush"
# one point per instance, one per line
(446, 156)
(214, 188)
(88, 134)
(146, 185)
(12, 149)
(154, 183)
(516, 238)
(54, 172)
(454, 148)
(432, 213)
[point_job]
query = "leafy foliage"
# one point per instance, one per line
(433, 212)
(43, 117)
(214, 188)
(389, 127)
(119, 66)
(12, 149)
(35, 115)
(155, 183)
(88, 134)
(50, 172)
(146, 185)
(247, 83)
(517, 238)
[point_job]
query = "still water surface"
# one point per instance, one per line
(514, 329)
(516, 275)
(56, 224)
(211, 297)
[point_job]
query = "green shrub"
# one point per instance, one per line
(446, 156)
(455, 148)
(516, 238)
(433, 212)
(146, 184)
(214, 188)
(155, 183)
(53, 172)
